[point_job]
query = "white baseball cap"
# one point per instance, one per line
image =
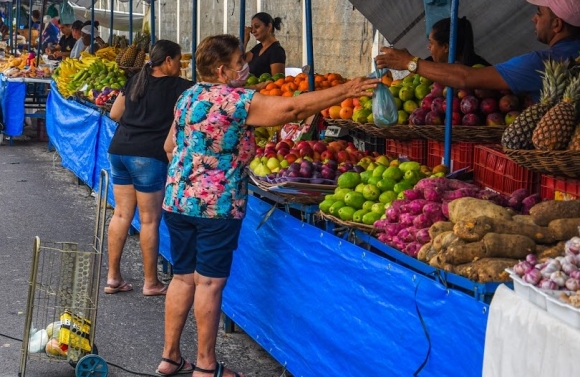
(87, 30)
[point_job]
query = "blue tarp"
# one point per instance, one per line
(326, 307)
(12, 95)
(73, 129)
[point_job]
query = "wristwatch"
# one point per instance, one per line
(412, 65)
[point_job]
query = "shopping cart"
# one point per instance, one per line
(63, 299)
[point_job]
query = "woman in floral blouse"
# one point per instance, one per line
(209, 146)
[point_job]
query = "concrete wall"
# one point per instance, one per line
(342, 37)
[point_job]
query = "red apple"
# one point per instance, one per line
(271, 154)
(342, 156)
(456, 118)
(434, 118)
(319, 147)
(427, 101)
(283, 151)
(488, 106)
(294, 151)
(290, 157)
(327, 155)
(302, 144)
(356, 102)
(259, 151)
(469, 105)
(306, 151)
(508, 103)
(282, 144)
(456, 103)
(472, 120)
(437, 104)
(271, 144)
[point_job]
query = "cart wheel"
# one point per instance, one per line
(91, 365)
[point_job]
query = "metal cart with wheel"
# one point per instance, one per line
(63, 299)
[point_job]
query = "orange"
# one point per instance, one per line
(334, 82)
(264, 92)
(271, 86)
(291, 86)
(288, 94)
(334, 76)
(325, 113)
(289, 78)
(387, 80)
(303, 86)
(325, 84)
(345, 113)
(280, 82)
(319, 78)
(347, 103)
(301, 76)
(334, 112)
(275, 92)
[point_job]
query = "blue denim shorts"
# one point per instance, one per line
(146, 174)
(203, 245)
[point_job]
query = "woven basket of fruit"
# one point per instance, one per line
(397, 132)
(558, 163)
(473, 134)
(308, 197)
(349, 224)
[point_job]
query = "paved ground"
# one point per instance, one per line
(40, 198)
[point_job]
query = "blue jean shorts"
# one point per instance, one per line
(146, 174)
(203, 245)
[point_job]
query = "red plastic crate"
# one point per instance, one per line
(492, 169)
(414, 150)
(461, 154)
(559, 188)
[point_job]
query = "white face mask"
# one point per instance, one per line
(242, 77)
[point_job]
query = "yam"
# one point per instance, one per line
(471, 230)
(523, 219)
(430, 254)
(424, 251)
(564, 229)
(486, 270)
(471, 208)
(474, 230)
(508, 245)
(440, 227)
(552, 252)
(545, 212)
(463, 253)
(445, 240)
(437, 262)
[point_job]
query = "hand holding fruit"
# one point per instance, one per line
(393, 58)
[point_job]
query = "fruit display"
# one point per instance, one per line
(134, 55)
(23, 66)
(287, 86)
(107, 97)
(89, 73)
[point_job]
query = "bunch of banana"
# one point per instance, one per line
(108, 53)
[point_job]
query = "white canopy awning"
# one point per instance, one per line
(120, 21)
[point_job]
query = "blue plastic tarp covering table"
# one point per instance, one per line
(326, 307)
(73, 129)
(12, 96)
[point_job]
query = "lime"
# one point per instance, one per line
(406, 93)
(403, 117)
(252, 80)
(398, 103)
(410, 106)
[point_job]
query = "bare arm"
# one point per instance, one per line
(249, 56)
(169, 145)
(118, 108)
(267, 111)
(278, 68)
(454, 75)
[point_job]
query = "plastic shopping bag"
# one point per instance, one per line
(384, 107)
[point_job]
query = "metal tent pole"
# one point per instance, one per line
(130, 21)
(40, 52)
(193, 39)
(152, 22)
(17, 25)
(29, 25)
(11, 29)
(111, 22)
(309, 50)
(242, 23)
(450, 91)
(93, 28)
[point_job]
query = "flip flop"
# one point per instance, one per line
(217, 372)
(155, 292)
(180, 368)
(123, 287)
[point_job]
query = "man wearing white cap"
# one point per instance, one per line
(557, 24)
(86, 38)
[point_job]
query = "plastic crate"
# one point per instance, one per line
(414, 150)
(559, 188)
(461, 154)
(493, 170)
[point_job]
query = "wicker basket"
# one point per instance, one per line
(474, 134)
(396, 132)
(556, 163)
(342, 123)
(289, 198)
(349, 224)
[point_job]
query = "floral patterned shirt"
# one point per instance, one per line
(207, 176)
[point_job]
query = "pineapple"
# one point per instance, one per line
(518, 135)
(555, 129)
(574, 144)
(140, 59)
(120, 56)
(130, 55)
